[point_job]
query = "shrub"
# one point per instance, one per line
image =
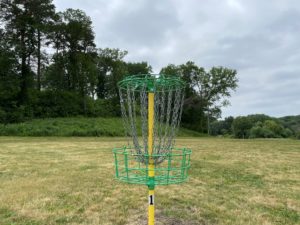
(274, 127)
(15, 115)
(241, 127)
(298, 135)
(269, 129)
(287, 133)
(2, 116)
(105, 108)
(261, 132)
(57, 104)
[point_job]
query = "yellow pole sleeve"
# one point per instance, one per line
(151, 172)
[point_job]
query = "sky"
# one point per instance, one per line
(260, 39)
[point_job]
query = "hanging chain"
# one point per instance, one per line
(131, 113)
(144, 116)
(168, 106)
(167, 123)
(176, 109)
(124, 117)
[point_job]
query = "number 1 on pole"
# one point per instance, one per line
(151, 172)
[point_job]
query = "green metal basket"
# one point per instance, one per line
(173, 170)
(152, 82)
(157, 101)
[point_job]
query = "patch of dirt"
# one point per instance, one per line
(164, 220)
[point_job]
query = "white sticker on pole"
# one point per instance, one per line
(151, 199)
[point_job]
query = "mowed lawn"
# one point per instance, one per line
(71, 181)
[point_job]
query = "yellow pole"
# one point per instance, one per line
(151, 172)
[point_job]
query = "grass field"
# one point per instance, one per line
(70, 181)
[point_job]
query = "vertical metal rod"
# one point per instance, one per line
(117, 166)
(151, 166)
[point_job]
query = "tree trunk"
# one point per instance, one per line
(84, 105)
(24, 71)
(208, 123)
(39, 61)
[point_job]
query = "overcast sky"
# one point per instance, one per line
(260, 39)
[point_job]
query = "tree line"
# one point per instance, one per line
(50, 66)
(257, 126)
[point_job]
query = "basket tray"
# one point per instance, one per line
(133, 168)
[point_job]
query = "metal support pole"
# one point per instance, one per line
(151, 166)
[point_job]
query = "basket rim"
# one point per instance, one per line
(138, 172)
(126, 150)
(153, 82)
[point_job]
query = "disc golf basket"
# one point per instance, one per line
(151, 107)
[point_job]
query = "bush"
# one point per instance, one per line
(287, 133)
(15, 115)
(58, 104)
(241, 127)
(267, 133)
(2, 116)
(222, 127)
(261, 132)
(274, 127)
(256, 132)
(51, 104)
(105, 108)
(76, 126)
(269, 129)
(298, 135)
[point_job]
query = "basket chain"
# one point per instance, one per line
(167, 114)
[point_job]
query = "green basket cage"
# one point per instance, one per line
(173, 170)
(151, 107)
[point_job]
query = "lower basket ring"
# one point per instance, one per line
(173, 170)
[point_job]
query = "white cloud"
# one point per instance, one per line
(261, 39)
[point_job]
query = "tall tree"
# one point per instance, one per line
(87, 75)
(19, 21)
(185, 71)
(206, 92)
(214, 88)
(75, 57)
(78, 37)
(111, 69)
(9, 77)
(43, 18)
(241, 127)
(138, 68)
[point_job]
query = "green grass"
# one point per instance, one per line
(57, 180)
(76, 126)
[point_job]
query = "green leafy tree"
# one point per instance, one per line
(55, 75)
(78, 38)
(9, 82)
(26, 25)
(269, 129)
(111, 69)
(138, 68)
(19, 30)
(43, 19)
(291, 122)
(214, 87)
(185, 71)
(208, 91)
(274, 127)
(222, 127)
(241, 127)
(298, 135)
(259, 118)
(74, 65)
(171, 69)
